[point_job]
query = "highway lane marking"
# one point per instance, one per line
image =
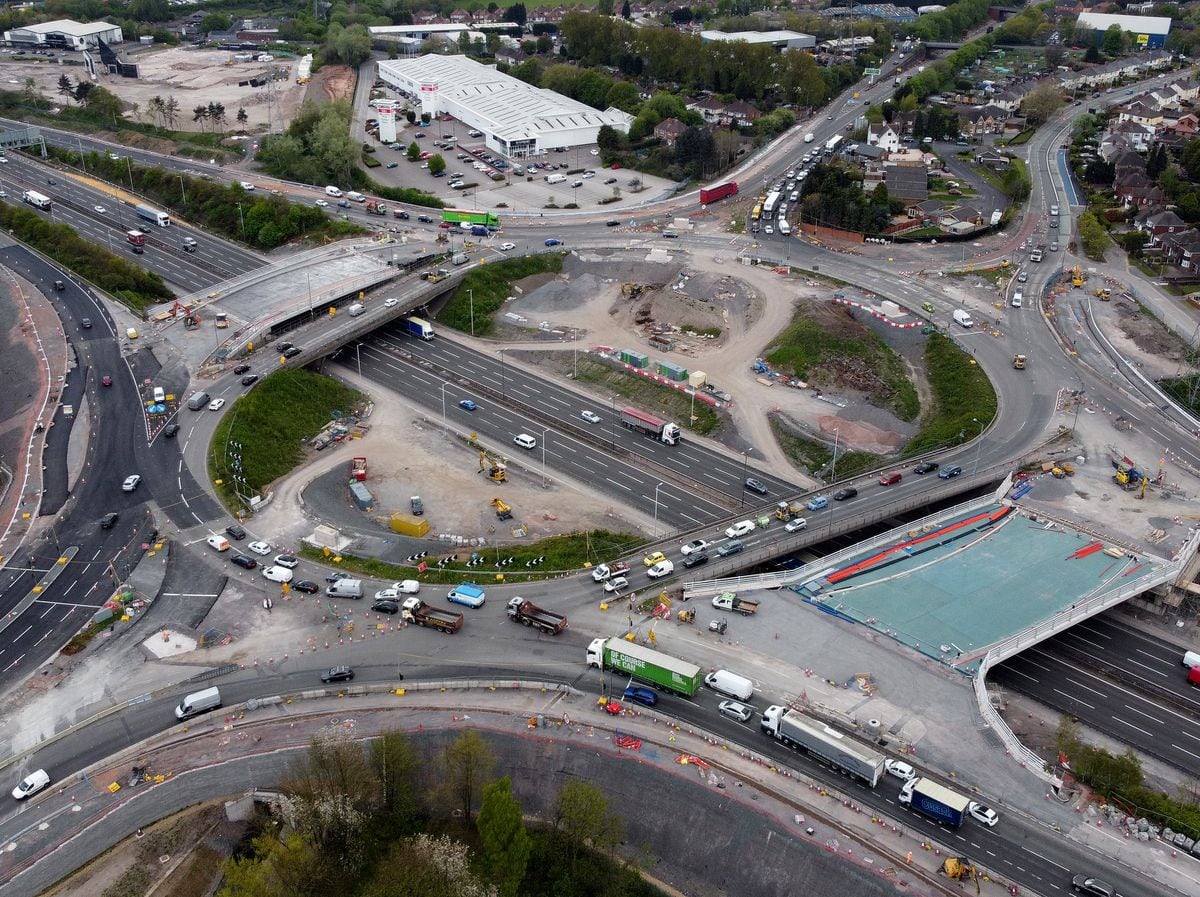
(1143, 713)
(97, 554)
(1152, 657)
(1085, 641)
(692, 519)
(1044, 859)
(1183, 750)
(1032, 664)
(1131, 725)
(1075, 699)
(1019, 673)
(1137, 663)
(1190, 735)
(1094, 691)
(24, 633)
(615, 483)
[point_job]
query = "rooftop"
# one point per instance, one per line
(67, 26)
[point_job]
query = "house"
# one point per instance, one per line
(926, 210)
(1014, 125)
(866, 152)
(741, 113)
(712, 109)
(1138, 136)
(907, 182)
(1009, 99)
(1158, 221)
(1140, 194)
(992, 160)
(669, 130)
(1185, 125)
(884, 137)
(1141, 112)
(511, 55)
(962, 220)
(1186, 91)
(976, 121)
(1183, 249)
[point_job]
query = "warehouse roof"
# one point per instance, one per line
(67, 26)
(1133, 24)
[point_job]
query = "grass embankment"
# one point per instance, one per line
(815, 457)
(271, 424)
(482, 292)
(1184, 390)
(964, 401)
(661, 401)
(563, 554)
(128, 283)
(809, 350)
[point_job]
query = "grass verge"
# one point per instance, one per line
(963, 398)
(815, 456)
(649, 396)
(82, 639)
(482, 292)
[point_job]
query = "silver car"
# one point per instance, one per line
(736, 710)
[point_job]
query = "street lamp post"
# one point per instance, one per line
(241, 220)
(745, 472)
(471, 294)
(182, 191)
(502, 373)
(833, 466)
(575, 343)
(545, 430)
(444, 385)
(656, 488)
(614, 421)
(1078, 404)
(978, 448)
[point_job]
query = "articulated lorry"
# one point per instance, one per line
(792, 728)
(414, 610)
(650, 425)
(531, 615)
(419, 327)
(730, 601)
(935, 801)
(645, 664)
(162, 219)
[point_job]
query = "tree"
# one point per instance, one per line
(65, 88)
(103, 103)
(506, 843)
(1092, 235)
(468, 763)
(624, 96)
(171, 111)
(395, 765)
(242, 117)
(517, 14)
(582, 815)
(414, 151)
(1190, 158)
(200, 115)
(626, 12)
(1042, 102)
(1055, 54)
(609, 139)
(1114, 40)
(604, 7)
(349, 46)
(1092, 55)
(214, 21)
(427, 866)
(436, 163)
(279, 867)
(1156, 164)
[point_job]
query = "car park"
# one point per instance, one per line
(216, 404)
(796, 524)
(131, 482)
(234, 531)
(108, 521)
(741, 528)
(615, 584)
(1092, 887)
(31, 784)
(307, 586)
(467, 404)
(900, 770)
(245, 561)
(817, 502)
(844, 494)
(983, 814)
(756, 486)
(661, 569)
(926, 467)
(337, 674)
(947, 473)
(287, 560)
(385, 606)
(735, 710)
(641, 695)
(249, 379)
(730, 548)
(590, 416)
(696, 545)
(653, 558)
(260, 548)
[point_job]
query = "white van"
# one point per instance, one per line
(1017, 299)
(731, 684)
(356, 309)
(962, 318)
(345, 588)
(277, 574)
(160, 395)
(784, 227)
(1191, 659)
(355, 196)
(525, 441)
(198, 702)
(332, 191)
(217, 542)
(555, 178)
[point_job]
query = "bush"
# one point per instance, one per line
(962, 395)
(489, 286)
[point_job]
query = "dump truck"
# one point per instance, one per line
(730, 601)
(792, 728)
(601, 572)
(531, 615)
(1019, 362)
(645, 664)
(650, 425)
(935, 801)
(414, 610)
(358, 469)
(786, 510)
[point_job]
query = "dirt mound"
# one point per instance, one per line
(334, 82)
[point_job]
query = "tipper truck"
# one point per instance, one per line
(718, 191)
(935, 801)
(531, 615)
(414, 610)
(646, 664)
(730, 601)
(842, 752)
(650, 425)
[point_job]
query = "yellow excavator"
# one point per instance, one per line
(1076, 276)
(493, 467)
(960, 869)
(503, 509)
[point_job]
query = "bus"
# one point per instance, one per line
(37, 200)
(772, 203)
(463, 216)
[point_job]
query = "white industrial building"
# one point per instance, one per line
(780, 40)
(65, 33)
(1149, 32)
(516, 119)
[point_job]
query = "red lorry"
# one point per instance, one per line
(720, 191)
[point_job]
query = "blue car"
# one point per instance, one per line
(468, 404)
(815, 504)
(553, 242)
(641, 695)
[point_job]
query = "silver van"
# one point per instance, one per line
(198, 400)
(345, 588)
(198, 702)
(356, 309)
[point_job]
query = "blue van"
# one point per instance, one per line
(467, 594)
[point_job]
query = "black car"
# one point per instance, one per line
(612, 223)
(108, 521)
(425, 219)
(249, 379)
(334, 577)
(695, 559)
(926, 467)
(170, 430)
(282, 347)
(241, 369)
(755, 486)
(307, 586)
(86, 323)
(244, 561)
(292, 352)
(337, 674)
(843, 494)
(386, 607)
(235, 532)
(947, 473)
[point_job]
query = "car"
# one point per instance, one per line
(322, 203)
(661, 569)
(307, 586)
(553, 242)
(817, 502)
(337, 674)
(507, 247)
(131, 482)
(247, 186)
(385, 606)
(590, 416)
(982, 813)
(108, 521)
(391, 302)
(287, 560)
(31, 784)
(467, 404)
(653, 558)
(216, 404)
(276, 573)
(641, 695)
(844, 494)
(615, 584)
(698, 559)
(741, 528)
(85, 323)
(735, 710)
(241, 369)
(170, 430)
(610, 180)
(406, 586)
(796, 524)
(693, 547)
(950, 472)
(730, 548)
(425, 219)
(1054, 247)
(1093, 887)
(900, 770)
(926, 467)
(292, 352)
(1022, 277)
(245, 561)
(525, 441)
(259, 548)
(249, 379)
(391, 165)
(234, 531)
(334, 577)
(768, 229)
(106, 380)
(891, 479)
(756, 486)
(100, 210)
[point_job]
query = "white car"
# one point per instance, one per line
(983, 814)
(798, 523)
(900, 770)
(131, 483)
(216, 404)
(101, 210)
(31, 784)
(741, 528)
(247, 186)
(507, 247)
(406, 587)
(391, 302)
(277, 574)
(333, 191)
(260, 548)
(322, 203)
(287, 560)
(615, 584)
(661, 569)
(590, 416)
(594, 152)
(692, 547)
(768, 229)
(736, 710)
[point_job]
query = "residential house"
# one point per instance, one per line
(976, 121)
(1141, 112)
(1009, 99)
(865, 152)
(1183, 249)
(1137, 135)
(712, 109)
(1140, 192)
(511, 55)
(962, 220)
(1185, 126)
(883, 136)
(926, 210)
(741, 113)
(669, 130)
(1158, 221)
(460, 17)
(1186, 90)
(1014, 125)
(993, 160)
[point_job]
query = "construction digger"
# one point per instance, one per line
(503, 509)
(1076, 276)
(1128, 477)
(493, 467)
(960, 869)
(1104, 294)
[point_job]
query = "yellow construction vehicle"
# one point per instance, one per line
(960, 868)
(1104, 294)
(1076, 276)
(503, 510)
(492, 467)
(1019, 362)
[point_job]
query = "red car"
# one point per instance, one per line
(106, 380)
(890, 479)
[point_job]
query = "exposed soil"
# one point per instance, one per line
(1146, 332)
(332, 82)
